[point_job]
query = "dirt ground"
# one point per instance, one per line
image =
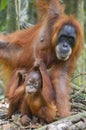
(78, 104)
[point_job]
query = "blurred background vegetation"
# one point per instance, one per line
(18, 14)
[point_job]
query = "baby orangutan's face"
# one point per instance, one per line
(33, 82)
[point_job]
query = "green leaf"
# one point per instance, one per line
(3, 4)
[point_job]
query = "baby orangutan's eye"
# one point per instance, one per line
(30, 80)
(36, 84)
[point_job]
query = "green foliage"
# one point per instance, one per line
(32, 12)
(81, 70)
(3, 20)
(85, 18)
(79, 77)
(11, 16)
(3, 4)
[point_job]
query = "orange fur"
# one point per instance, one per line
(39, 107)
(44, 5)
(35, 102)
(23, 47)
(29, 103)
(15, 91)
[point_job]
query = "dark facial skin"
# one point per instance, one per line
(65, 42)
(33, 82)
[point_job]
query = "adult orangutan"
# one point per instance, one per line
(16, 91)
(57, 40)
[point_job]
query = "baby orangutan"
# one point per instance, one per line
(34, 102)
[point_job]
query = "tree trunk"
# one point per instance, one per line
(11, 16)
(75, 122)
(75, 7)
